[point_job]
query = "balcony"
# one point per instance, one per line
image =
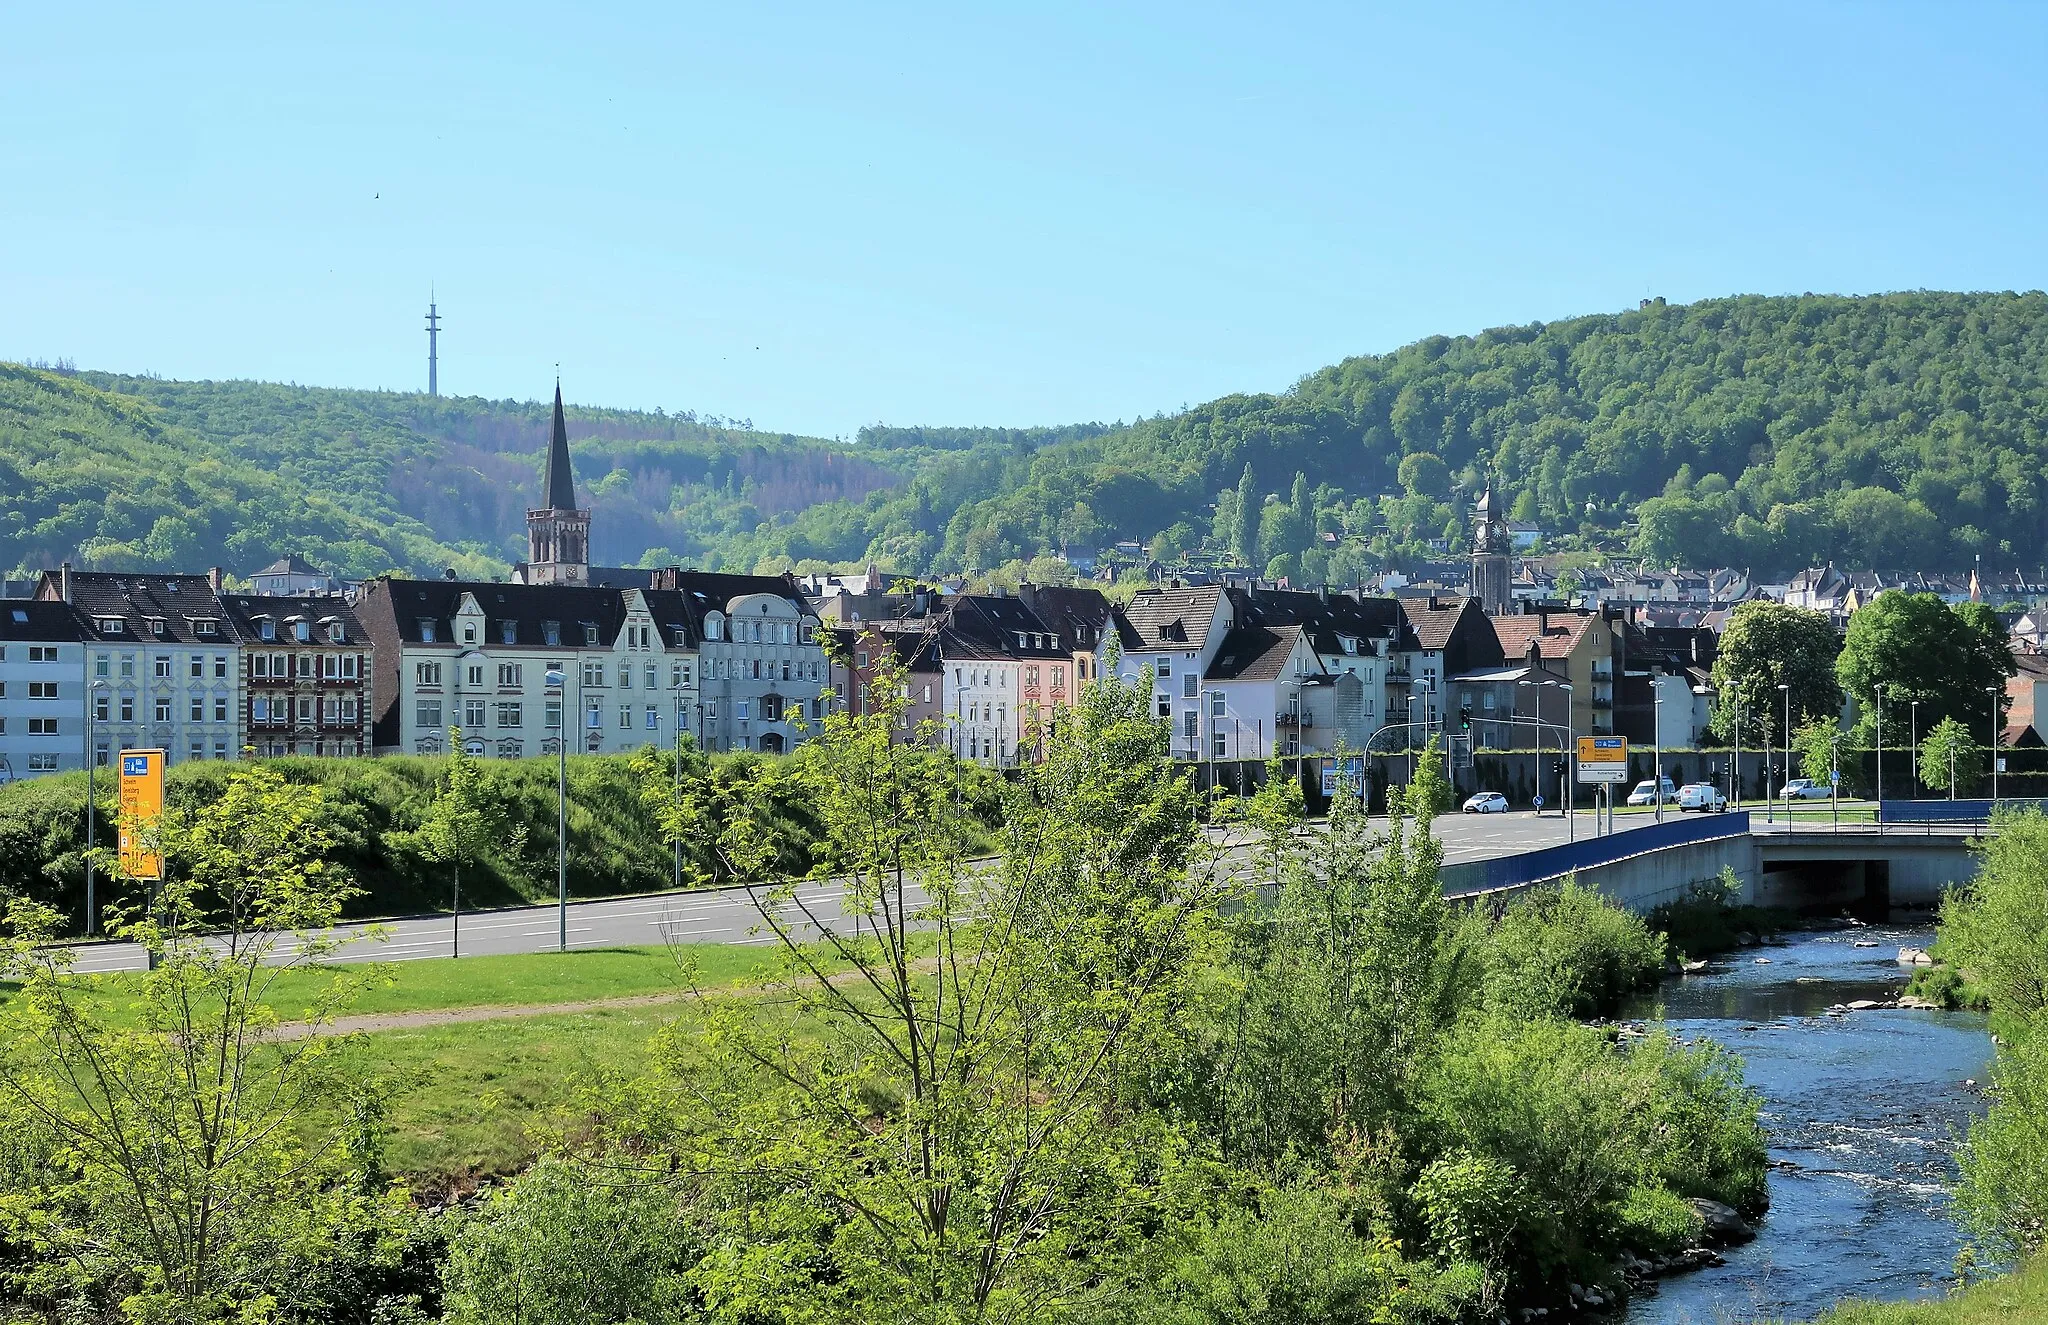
(1295, 720)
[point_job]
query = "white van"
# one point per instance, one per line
(1702, 796)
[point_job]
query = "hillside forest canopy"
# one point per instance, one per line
(1891, 431)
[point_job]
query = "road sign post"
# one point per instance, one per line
(1603, 762)
(142, 807)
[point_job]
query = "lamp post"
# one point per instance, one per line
(1657, 743)
(1878, 813)
(1786, 690)
(1569, 758)
(555, 680)
(1997, 694)
(92, 761)
(1913, 745)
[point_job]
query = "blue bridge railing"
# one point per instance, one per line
(1549, 863)
(1951, 812)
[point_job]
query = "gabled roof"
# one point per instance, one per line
(1079, 615)
(405, 604)
(1557, 634)
(139, 601)
(1171, 618)
(988, 626)
(319, 610)
(1434, 619)
(1327, 620)
(292, 565)
(1253, 653)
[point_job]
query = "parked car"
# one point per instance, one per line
(1805, 789)
(1702, 796)
(1646, 792)
(1486, 802)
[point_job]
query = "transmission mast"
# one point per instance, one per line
(433, 347)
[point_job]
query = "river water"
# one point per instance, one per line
(1862, 1112)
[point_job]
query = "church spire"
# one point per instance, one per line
(561, 489)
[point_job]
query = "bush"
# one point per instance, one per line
(1654, 1218)
(1950, 988)
(1569, 951)
(2004, 1191)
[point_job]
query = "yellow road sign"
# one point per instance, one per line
(1603, 759)
(142, 806)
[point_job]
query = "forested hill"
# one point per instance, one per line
(1895, 430)
(1906, 430)
(141, 473)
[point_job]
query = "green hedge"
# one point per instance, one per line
(614, 845)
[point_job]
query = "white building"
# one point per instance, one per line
(42, 689)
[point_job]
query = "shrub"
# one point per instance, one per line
(1654, 1218)
(2004, 1192)
(1571, 951)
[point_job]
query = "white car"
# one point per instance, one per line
(1487, 802)
(1702, 796)
(1804, 789)
(1646, 792)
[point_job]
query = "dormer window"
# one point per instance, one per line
(508, 632)
(156, 626)
(469, 632)
(301, 631)
(336, 634)
(590, 632)
(551, 633)
(714, 626)
(266, 628)
(428, 631)
(206, 629)
(108, 625)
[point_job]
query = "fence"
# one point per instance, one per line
(1951, 812)
(1547, 863)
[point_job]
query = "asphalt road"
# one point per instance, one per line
(730, 916)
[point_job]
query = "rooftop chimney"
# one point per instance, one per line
(64, 580)
(215, 578)
(448, 573)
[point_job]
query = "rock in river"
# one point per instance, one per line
(1722, 1225)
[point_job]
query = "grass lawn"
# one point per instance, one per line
(2020, 1298)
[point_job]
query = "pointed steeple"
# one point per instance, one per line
(561, 489)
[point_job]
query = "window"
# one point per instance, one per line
(220, 749)
(330, 667)
(335, 633)
(590, 632)
(127, 664)
(714, 625)
(511, 714)
(785, 669)
(1216, 745)
(306, 709)
(39, 653)
(108, 625)
(427, 630)
(860, 659)
(1189, 685)
(593, 673)
(625, 717)
(771, 708)
(511, 674)
(711, 712)
(593, 715)
(100, 665)
(653, 718)
(426, 713)
(1031, 676)
(42, 690)
(1190, 722)
(678, 675)
(652, 679)
(508, 632)
(348, 666)
(927, 692)
(757, 669)
(551, 634)
(1216, 707)
(198, 750)
(42, 763)
(163, 666)
(198, 708)
(102, 753)
(1165, 707)
(348, 710)
(127, 708)
(220, 666)
(553, 715)
(220, 708)
(42, 726)
(302, 631)
(469, 632)
(266, 629)
(198, 665)
(163, 708)
(330, 710)
(625, 676)
(205, 628)
(476, 674)
(560, 675)
(156, 626)
(259, 709)
(473, 714)
(101, 706)
(739, 710)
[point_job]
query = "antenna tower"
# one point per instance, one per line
(433, 347)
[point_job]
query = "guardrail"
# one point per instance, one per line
(1952, 812)
(1546, 864)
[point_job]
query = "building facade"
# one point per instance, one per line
(306, 667)
(43, 679)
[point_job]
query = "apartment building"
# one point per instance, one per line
(759, 657)
(306, 666)
(163, 661)
(42, 689)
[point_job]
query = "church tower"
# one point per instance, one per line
(557, 533)
(1492, 549)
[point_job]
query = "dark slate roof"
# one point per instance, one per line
(987, 626)
(178, 601)
(1079, 615)
(403, 604)
(684, 596)
(291, 565)
(1171, 618)
(246, 609)
(561, 486)
(1253, 653)
(1328, 619)
(29, 619)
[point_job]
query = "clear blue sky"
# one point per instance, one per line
(823, 216)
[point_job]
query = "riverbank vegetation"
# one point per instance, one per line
(1097, 1082)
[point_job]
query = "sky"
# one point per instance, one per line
(819, 217)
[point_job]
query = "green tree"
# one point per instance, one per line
(1949, 758)
(198, 1144)
(1244, 537)
(1424, 475)
(463, 824)
(1818, 746)
(1920, 649)
(1766, 645)
(946, 1139)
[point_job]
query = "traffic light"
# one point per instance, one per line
(1464, 717)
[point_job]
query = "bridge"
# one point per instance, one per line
(1906, 860)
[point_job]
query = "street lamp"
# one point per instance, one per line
(1913, 745)
(92, 760)
(1997, 694)
(1657, 743)
(1877, 695)
(1569, 760)
(1786, 690)
(556, 681)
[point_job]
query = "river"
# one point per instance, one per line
(1861, 1111)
